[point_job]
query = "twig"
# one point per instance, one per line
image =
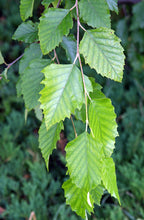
(73, 7)
(32, 216)
(73, 126)
(55, 56)
(78, 56)
(58, 4)
(10, 64)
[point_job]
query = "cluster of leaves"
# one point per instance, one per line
(62, 89)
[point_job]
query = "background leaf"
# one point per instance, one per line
(63, 92)
(54, 24)
(109, 177)
(83, 156)
(77, 198)
(27, 32)
(26, 8)
(31, 79)
(48, 139)
(103, 52)
(102, 122)
(1, 58)
(95, 13)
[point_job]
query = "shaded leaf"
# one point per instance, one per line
(54, 24)
(1, 58)
(102, 122)
(63, 92)
(95, 13)
(109, 177)
(26, 8)
(113, 5)
(83, 156)
(31, 79)
(97, 194)
(79, 199)
(103, 52)
(27, 32)
(48, 139)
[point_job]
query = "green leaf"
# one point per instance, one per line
(30, 53)
(103, 52)
(26, 9)
(48, 139)
(79, 199)
(46, 3)
(63, 92)
(113, 5)
(70, 46)
(97, 194)
(31, 79)
(95, 13)
(1, 58)
(102, 123)
(38, 113)
(83, 156)
(54, 24)
(109, 177)
(27, 32)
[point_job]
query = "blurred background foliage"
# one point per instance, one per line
(25, 185)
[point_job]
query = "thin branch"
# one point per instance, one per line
(73, 126)
(32, 216)
(82, 27)
(73, 7)
(78, 56)
(10, 64)
(58, 4)
(55, 56)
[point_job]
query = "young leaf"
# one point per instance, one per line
(1, 58)
(26, 8)
(113, 5)
(83, 156)
(95, 13)
(97, 194)
(103, 52)
(79, 199)
(48, 139)
(102, 123)
(109, 177)
(63, 92)
(54, 24)
(27, 32)
(31, 79)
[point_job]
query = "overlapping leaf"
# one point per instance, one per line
(103, 52)
(113, 5)
(31, 79)
(102, 121)
(48, 139)
(27, 32)
(1, 58)
(54, 24)
(26, 8)
(79, 199)
(63, 92)
(97, 194)
(83, 156)
(109, 177)
(95, 13)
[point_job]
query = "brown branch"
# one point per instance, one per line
(32, 216)
(73, 126)
(58, 4)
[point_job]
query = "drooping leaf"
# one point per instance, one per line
(54, 24)
(113, 5)
(97, 194)
(79, 199)
(30, 53)
(83, 156)
(103, 52)
(63, 92)
(31, 79)
(109, 177)
(70, 46)
(102, 122)
(26, 8)
(95, 13)
(1, 58)
(48, 139)
(27, 32)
